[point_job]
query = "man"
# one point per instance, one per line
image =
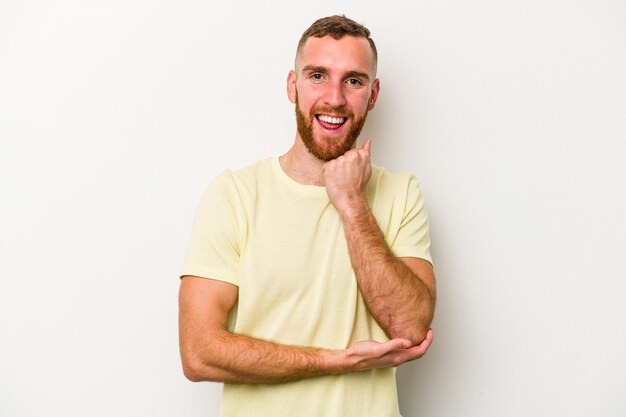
(308, 277)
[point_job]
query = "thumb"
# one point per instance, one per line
(367, 145)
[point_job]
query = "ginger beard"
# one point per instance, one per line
(330, 147)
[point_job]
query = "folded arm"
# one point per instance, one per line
(399, 292)
(212, 353)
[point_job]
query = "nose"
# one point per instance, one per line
(334, 95)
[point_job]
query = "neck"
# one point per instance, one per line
(301, 166)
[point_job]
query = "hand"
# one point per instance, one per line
(370, 355)
(345, 177)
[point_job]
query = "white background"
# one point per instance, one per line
(115, 115)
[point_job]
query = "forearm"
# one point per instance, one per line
(234, 358)
(241, 359)
(399, 300)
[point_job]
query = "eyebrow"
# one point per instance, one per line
(324, 70)
(313, 68)
(357, 74)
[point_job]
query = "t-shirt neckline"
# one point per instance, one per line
(304, 189)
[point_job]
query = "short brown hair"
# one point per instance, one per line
(337, 27)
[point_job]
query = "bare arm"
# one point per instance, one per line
(211, 353)
(399, 292)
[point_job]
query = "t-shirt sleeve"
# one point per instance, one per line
(215, 242)
(413, 239)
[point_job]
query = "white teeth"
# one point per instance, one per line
(333, 120)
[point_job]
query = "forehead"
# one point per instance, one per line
(349, 53)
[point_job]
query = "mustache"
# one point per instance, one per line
(340, 111)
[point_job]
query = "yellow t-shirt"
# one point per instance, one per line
(282, 243)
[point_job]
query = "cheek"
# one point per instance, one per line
(310, 95)
(361, 103)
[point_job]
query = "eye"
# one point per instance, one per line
(316, 77)
(354, 82)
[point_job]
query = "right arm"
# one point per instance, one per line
(212, 353)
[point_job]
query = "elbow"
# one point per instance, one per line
(192, 370)
(192, 373)
(416, 334)
(201, 361)
(196, 370)
(414, 330)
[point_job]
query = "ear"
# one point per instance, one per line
(291, 86)
(373, 95)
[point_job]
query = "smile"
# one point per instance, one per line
(331, 122)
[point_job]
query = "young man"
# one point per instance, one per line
(308, 277)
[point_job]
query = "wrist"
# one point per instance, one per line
(334, 361)
(353, 208)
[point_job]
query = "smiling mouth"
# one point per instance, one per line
(331, 122)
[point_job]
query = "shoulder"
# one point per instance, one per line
(253, 171)
(383, 181)
(241, 180)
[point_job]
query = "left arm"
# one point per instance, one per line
(399, 292)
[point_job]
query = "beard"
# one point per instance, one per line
(328, 148)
